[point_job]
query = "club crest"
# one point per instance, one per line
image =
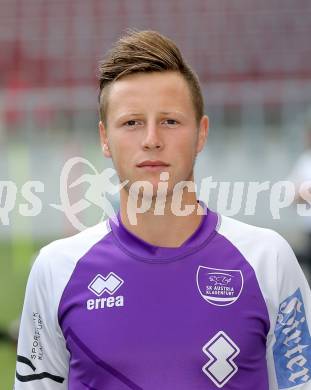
(220, 287)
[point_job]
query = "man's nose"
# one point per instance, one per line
(152, 138)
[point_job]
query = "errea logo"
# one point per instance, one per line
(101, 284)
(110, 283)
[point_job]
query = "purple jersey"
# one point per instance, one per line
(105, 310)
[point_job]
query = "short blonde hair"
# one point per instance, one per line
(142, 52)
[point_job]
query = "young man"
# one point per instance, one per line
(185, 298)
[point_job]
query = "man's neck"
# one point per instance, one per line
(168, 230)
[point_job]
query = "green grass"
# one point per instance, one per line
(15, 261)
(13, 277)
(7, 360)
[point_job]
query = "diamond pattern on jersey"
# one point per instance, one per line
(221, 351)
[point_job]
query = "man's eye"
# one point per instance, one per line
(171, 122)
(131, 123)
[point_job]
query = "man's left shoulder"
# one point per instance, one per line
(248, 235)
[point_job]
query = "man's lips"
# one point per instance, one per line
(152, 163)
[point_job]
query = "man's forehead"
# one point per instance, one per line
(131, 93)
(160, 81)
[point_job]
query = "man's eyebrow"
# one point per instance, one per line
(171, 112)
(128, 114)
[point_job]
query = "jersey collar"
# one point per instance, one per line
(142, 250)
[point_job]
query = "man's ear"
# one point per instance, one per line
(104, 139)
(203, 133)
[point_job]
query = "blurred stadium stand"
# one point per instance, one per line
(57, 43)
(253, 59)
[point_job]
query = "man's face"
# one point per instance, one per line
(150, 116)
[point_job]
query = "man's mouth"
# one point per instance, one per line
(153, 165)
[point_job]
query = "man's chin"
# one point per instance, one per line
(152, 190)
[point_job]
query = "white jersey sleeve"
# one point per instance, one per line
(42, 357)
(288, 300)
(289, 344)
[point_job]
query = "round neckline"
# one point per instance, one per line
(140, 249)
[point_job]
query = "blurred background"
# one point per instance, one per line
(254, 62)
